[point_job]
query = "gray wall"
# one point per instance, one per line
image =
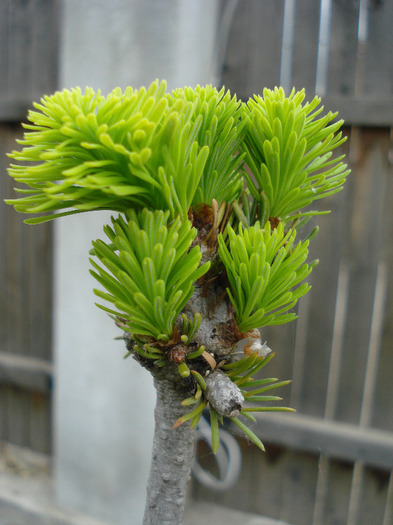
(104, 405)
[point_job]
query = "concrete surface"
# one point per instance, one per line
(26, 491)
(27, 497)
(103, 406)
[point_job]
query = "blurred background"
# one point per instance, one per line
(65, 392)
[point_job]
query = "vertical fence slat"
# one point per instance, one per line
(305, 48)
(321, 491)
(299, 351)
(28, 60)
(45, 46)
(297, 488)
(356, 493)
(267, 475)
(368, 497)
(4, 36)
(364, 243)
(327, 247)
(254, 40)
(368, 399)
(342, 366)
(343, 48)
(378, 64)
(388, 515)
(14, 262)
(341, 312)
(288, 33)
(18, 416)
(338, 490)
(40, 422)
(20, 41)
(384, 396)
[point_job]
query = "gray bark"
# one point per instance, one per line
(173, 448)
(171, 458)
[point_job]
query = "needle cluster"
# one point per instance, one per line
(209, 194)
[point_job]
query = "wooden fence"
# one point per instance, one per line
(28, 69)
(332, 461)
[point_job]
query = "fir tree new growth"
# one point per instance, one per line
(209, 194)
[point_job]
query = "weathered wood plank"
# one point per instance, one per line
(338, 440)
(311, 381)
(368, 495)
(343, 52)
(4, 38)
(363, 246)
(300, 472)
(29, 36)
(281, 485)
(254, 56)
(25, 323)
(383, 402)
(14, 110)
(281, 339)
(25, 372)
(40, 435)
(26, 269)
(13, 262)
(361, 110)
(3, 414)
(254, 51)
(337, 476)
(21, 14)
(18, 404)
(45, 46)
(305, 46)
(378, 64)
(351, 245)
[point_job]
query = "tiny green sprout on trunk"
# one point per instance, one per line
(209, 197)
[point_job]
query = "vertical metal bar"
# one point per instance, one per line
(287, 44)
(363, 21)
(362, 44)
(323, 48)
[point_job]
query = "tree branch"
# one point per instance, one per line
(171, 458)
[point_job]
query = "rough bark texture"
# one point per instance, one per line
(171, 458)
(173, 448)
